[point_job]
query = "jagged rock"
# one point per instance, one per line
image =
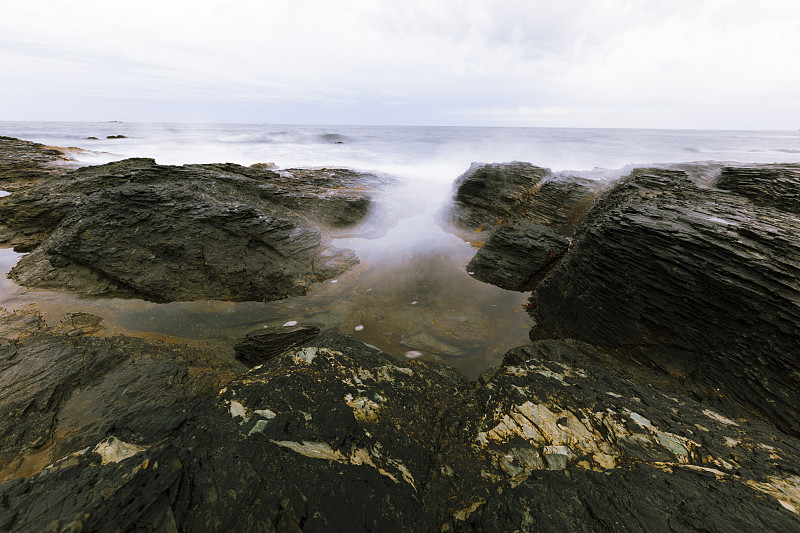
(517, 257)
(520, 215)
(25, 162)
(488, 195)
(263, 344)
(700, 283)
(776, 186)
(137, 229)
(61, 388)
(336, 436)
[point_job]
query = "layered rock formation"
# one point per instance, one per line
(137, 229)
(700, 283)
(520, 216)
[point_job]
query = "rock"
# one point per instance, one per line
(137, 229)
(264, 166)
(773, 186)
(61, 388)
(263, 344)
(116, 137)
(336, 436)
(520, 215)
(487, 195)
(518, 256)
(699, 283)
(92, 138)
(25, 162)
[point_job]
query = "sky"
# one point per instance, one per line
(708, 64)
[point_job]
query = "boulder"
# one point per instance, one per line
(520, 216)
(336, 436)
(776, 186)
(25, 162)
(700, 283)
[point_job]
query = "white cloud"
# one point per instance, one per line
(669, 63)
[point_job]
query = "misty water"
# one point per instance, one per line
(411, 293)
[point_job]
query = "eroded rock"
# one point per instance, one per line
(137, 229)
(700, 283)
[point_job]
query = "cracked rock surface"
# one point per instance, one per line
(336, 436)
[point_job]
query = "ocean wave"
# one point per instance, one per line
(283, 137)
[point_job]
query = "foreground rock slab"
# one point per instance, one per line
(701, 283)
(336, 436)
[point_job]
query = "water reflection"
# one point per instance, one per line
(409, 294)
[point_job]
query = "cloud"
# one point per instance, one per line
(372, 61)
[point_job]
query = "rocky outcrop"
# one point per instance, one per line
(765, 185)
(699, 283)
(335, 436)
(518, 257)
(25, 162)
(62, 387)
(521, 217)
(162, 233)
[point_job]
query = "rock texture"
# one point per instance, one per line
(521, 216)
(162, 233)
(335, 436)
(61, 387)
(518, 257)
(700, 283)
(25, 162)
(263, 344)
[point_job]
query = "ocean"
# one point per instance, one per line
(411, 282)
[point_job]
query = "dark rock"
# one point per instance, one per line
(137, 229)
(116, 137)
(336, 436)
(700, 283)
(488, 195)
(263, 344)
(92, 138)
(776, 186)
(61, 389)
(525, 215)
(25, 162)
(517, 257)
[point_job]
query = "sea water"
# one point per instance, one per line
(411, 293)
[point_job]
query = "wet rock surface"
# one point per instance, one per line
(336, 436)
(62, 386)
(699, 283)
(521, 217)
(518, 257)
(162, 233)
(24, 162)
(659, 393)
(263, 344)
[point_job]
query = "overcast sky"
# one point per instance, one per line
(606, 63)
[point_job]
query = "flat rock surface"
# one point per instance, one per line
(335, 436)
(700, 283)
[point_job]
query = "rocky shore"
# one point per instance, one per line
(659, 391)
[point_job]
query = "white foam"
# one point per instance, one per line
(4, 193)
